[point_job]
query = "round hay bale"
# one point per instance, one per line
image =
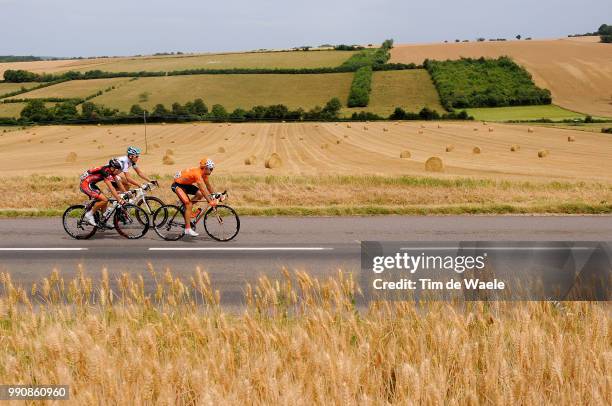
(221, 150)
(61, 141)
(542, 153)
(100, 146)
(439, 126)
(515, 148)
(99, 124)
(226, 139)
(405, 154)
(385, 129)
(42, 142)
(571, 139)
(133, 132)
(365, 128)
(274, 161)
(422, 126)
(283, 138)
(420, 131)
(529, 130)
(94, 140)
(348, 126)
(169, 151)
(301, 138)
(167, 160)
(484, 123)
(251, 160)
(29, 140)
(450, 147)
(242, 133)
(172, 142)
(155, 145)
(324, 146)
(163, 123)
(252, 134)
(338, 141)
(491, 129)
(71, 157)
(476, 150)
(345, 135)
(434, 164)
(475, 129)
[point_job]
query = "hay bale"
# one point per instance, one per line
(283, 138)
(542, 153)
(301, 138)
(274, 161)
(491, 129)
(515, 148)
(439, 126)
(226, 139)
(475, 129)
(476, 150)
(167, 160)
(420, 131)
(71, 157)
(450, 147)
(155, 145)
(422, 126)
(172, 142)
(365, 128)
(338, 141)
(252, 134)
(571, 139)
(324, 146)
(251, 160)
(100, 146)
(434, 164)
(163, 123)
(41, 141)
(99, 124)
(385, 129)
(484, 123)
(529, 130)
(348, 126)
(133, 132)
(345, 135)
(94, 140)
(405, 154)
(221, 150)
(169, 151)
(242, 133)
(61, 141)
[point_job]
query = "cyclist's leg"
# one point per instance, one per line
(93, 192)
(180, 191)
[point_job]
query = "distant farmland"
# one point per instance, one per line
(13, 87)
(410, 89)
(577, 72)
(231, 91)
(295, 59)
(73, 88)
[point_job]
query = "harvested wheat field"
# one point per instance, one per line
(372, 152)
(578, 73)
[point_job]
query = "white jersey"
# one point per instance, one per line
(125, 163)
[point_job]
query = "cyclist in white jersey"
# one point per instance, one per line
(124, 180)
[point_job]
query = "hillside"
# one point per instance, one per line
(578, 72)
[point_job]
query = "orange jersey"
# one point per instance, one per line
(190, 176)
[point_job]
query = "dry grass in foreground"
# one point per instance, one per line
(340, 195)
(178, 346)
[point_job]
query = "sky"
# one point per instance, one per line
(129, 27)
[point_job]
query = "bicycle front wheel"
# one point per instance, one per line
(221, 223)
(75, 224)
(150, 204)
(169, 222)
(131, 221)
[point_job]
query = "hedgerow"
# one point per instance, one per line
(484, 83)
(359, 95)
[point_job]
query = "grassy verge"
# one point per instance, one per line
(336, 195)
(299, 339)
(37, 196)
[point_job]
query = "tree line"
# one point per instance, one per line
(484, 82)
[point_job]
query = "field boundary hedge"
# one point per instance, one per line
(359, 94)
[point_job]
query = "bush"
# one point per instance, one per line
(606, 130)
(366, 115)
(427, 114)
(484, 83)
(359, 95)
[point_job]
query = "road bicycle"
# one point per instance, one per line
(129, 220)
(149, 204)
(221, 222)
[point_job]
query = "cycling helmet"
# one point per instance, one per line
(115, 164)
(208, 163)
(133, 150)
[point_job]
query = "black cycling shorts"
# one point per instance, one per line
(189, 189)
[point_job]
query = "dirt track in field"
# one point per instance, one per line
(319, 148)
(578, 71)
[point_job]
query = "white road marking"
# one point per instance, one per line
(42, 249)
(498, 248)
(240, 249)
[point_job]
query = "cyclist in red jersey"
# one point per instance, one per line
(91, 177)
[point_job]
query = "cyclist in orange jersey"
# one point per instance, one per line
(194, 181)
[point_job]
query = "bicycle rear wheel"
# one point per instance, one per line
(131, 221)
(221, 223)
(169, 222)
(75, 225)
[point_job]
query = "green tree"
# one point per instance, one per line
(136, 110)
(178, 110)
(36, 110)
(218, 112)
(199, 108)
(88, 110)
(159, 110)
(65, 111)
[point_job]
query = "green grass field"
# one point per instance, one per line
(74, 88)
(409, 89)
(298, 59)
(13, 87)
(231, 91)
(549, 111)
(588, 127)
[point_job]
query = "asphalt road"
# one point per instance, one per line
(31, 248)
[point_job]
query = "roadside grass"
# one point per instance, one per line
(296, 339)
(40, 196)
(549, 111)
(410, 89)
(231, 91)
